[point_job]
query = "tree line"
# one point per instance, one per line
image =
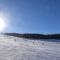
(35, 36)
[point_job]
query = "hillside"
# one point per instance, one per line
(35, 36)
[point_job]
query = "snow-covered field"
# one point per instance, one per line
(13, 48)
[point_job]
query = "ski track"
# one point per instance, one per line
(13, 48)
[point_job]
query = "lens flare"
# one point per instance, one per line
(2, 24)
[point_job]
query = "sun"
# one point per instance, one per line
(2, 24)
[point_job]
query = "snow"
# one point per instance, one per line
(13, 48)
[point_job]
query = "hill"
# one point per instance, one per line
(35, 36)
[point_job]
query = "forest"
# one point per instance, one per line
(35, 36)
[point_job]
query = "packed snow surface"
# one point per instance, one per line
(13, 48)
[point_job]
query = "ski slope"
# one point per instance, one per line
(13, 48)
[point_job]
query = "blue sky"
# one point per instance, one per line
(32, 16)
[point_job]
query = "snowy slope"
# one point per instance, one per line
(13, 48)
